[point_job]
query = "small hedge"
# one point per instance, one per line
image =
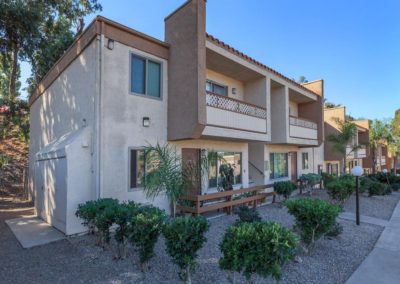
(257, 248)
(184, 236)
(284, 188)
(377, 188)
(314, 218)
(246, 214)
(340, 189)
(145, 226)
(395, 186)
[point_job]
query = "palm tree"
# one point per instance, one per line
(379, 135)
(344, 139)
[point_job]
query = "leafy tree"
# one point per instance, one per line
(394, 143)
(24, 25)
(379, 135)
(302, 79)
(330, 104)
(344, 140)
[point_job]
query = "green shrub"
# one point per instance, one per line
(314, 218)
(395, 186)
(326, 178)
(184, 236)
(377, 188)
(89, 210)
(340, 189)
(104, 219)
(124, 213)
(145, 227)
(247, 214)
(257, 248)
(308, 181)
(284, 188)
(365, 184)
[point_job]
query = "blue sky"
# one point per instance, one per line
(353, 45)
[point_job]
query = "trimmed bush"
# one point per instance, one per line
(326, 178)
(284, 188)
(339, 190)
(145, 226)
(308, 181)
(90, 212)
(365, 184)
(184, 236)
(336, 230)
(104, 219)
(314, 218)
(246, 214)
(395, 186)
(124, 213)
(259, 248)
(377, 188)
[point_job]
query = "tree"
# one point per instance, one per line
(394, 144)
(379, 135)
(24, 25)
(331, 105)
(164, 174)
(302, 79)
(344, 140)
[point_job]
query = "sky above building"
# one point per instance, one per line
(353, 45)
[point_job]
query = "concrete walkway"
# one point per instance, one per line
(364, 219)
(32, 231)
(382, 265)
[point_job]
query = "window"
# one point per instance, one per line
(223, 159)
(216, 88)
(304, 160)
(145, 76)
(138, 167)
(278, 165)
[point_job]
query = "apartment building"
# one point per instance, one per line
(116, 90)
(356, 151)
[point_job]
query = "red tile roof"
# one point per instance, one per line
(255, 62)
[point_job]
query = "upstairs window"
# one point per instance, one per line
(145, 76)
(216, 88)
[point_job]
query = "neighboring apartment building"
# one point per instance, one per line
(116, 90)
(356, 150)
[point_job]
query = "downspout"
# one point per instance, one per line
(99, 116)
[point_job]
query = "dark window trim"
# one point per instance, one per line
(147, 58)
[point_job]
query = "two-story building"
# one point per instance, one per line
(357, 149)
(116, 90)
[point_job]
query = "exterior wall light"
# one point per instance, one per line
(146, 121)
(110, 44)
(233, 91)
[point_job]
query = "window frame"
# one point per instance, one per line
(226, 87)
(305, 166)
(130, 149)
(272, 163)
(147, 59)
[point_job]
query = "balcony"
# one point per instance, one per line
(302, 128)
(362, 152)
(226, 112)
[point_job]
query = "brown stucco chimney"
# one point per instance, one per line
(185, 32)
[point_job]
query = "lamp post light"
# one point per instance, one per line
(357, 171)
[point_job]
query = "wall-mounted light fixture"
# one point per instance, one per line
(110, 44)
(233, 91)
(146, 121)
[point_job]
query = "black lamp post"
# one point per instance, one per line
(357, 171)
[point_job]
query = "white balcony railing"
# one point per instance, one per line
(297, 121)
(233, 114)
(226, 103)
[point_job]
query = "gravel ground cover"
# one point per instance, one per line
(373, 206)
(79, 260)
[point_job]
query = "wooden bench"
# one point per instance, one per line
(204, 203)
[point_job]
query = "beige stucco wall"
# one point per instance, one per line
(227, 81)
(293, 108)
(122, 122)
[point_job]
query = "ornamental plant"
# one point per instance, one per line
(184, 236)
(247, 214)
(104, 219)
(377, 188)
(284, 188)
(123, 214)
(259, 248)
(339, 190)
(314, 218)
(145, 226)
